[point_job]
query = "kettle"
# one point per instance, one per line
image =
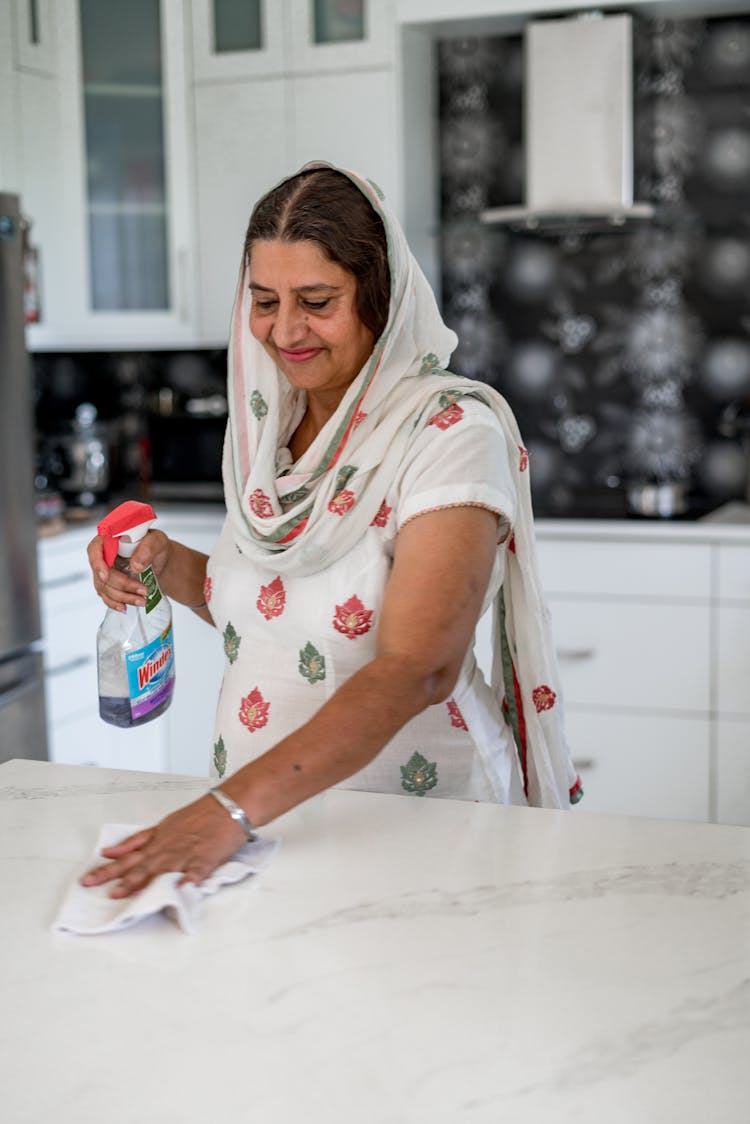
(79, 457)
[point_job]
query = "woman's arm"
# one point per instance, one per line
(181, 572)
(442, 565)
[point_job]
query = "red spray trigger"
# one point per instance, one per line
(123, 519)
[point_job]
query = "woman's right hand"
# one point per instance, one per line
(118, 589)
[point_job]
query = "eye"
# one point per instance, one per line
(317, 306)
(263, 305)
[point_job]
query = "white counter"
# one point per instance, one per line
(401, 960)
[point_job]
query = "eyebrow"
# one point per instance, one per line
(317, 288)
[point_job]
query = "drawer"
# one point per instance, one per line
(734, 659)
(642, 765)
(625, 654)
(83, 739)
(733, 749)
(69, 628)
(70, 687)
(626, 569)
(734, 572)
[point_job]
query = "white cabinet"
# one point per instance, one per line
(258, 54)
(733, 753)
(632, 623)
(178, 742)
(115, 220)
(263, 112)
(34, 34)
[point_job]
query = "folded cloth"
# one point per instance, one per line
(89, 910)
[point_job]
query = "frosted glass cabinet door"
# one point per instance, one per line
(341, 34)
(237, 39)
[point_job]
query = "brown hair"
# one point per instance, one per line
(324, 206)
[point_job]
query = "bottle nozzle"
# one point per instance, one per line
(124, 527)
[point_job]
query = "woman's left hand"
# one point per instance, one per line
(193, 841)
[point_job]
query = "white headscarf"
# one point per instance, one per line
(295, 523)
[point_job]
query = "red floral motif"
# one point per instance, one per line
(512, 544)
(358, 418)
(457, 718)
(207, 590)
(352, 618)
(254, 711)
(381, 518)
(523, 461)
(544, 698)
(342, 502)
(271, 599)
(447, 417)
(260, 504)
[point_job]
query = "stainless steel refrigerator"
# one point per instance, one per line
(22, 715)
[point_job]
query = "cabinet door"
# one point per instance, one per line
(633, 654)
(330, 35)
(348, 120)
(241, 148)
(237, 39)
(34, 35)
(733, 744)
(641, 765)
(118, 270)
(733, 662)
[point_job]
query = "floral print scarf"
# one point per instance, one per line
(299, 523)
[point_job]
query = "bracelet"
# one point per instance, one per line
(237, 813)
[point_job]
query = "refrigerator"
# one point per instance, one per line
(22, 713)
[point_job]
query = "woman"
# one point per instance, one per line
(377, 505)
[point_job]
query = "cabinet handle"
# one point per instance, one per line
(66, 579)
(576, 653)
(581, 764)
(70, 665)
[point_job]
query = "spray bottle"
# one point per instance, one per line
(135, 649)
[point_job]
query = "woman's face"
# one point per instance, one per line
(304, 313)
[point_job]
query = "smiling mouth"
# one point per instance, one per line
(300, 355)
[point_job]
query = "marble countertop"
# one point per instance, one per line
(401, 960)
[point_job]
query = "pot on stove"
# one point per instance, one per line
(78, 457)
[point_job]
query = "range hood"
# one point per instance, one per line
(578, 121)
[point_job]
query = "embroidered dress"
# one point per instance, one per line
(296, 582)
(290, 642)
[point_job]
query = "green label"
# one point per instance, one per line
(153, 593)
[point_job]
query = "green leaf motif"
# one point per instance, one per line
(449, 398)
(378, 190)
(220, 757)
(312, 665)
(231, 643)
(429, 363)
(343, 477)
(258, 404)
(418, 775)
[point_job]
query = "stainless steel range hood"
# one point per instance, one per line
(578, 114)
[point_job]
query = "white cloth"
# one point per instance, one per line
(88, 910)
(300, 526)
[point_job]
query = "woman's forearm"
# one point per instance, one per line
(342, 737)
(184, 576)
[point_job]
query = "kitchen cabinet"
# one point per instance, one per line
(263, 112)
(34, 33)
(119, 271)
(180, 740)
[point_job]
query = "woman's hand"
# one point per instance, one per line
(118, 589)
(193, 841)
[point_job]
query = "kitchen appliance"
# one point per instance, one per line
(186, 440)
(578, 126)
(78, 457)
(22, 710)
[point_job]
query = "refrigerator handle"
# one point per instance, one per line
(17, 690)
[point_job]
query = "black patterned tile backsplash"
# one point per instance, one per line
(625, 355)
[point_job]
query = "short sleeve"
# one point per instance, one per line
(459, 459)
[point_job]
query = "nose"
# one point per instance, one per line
(289, 326)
